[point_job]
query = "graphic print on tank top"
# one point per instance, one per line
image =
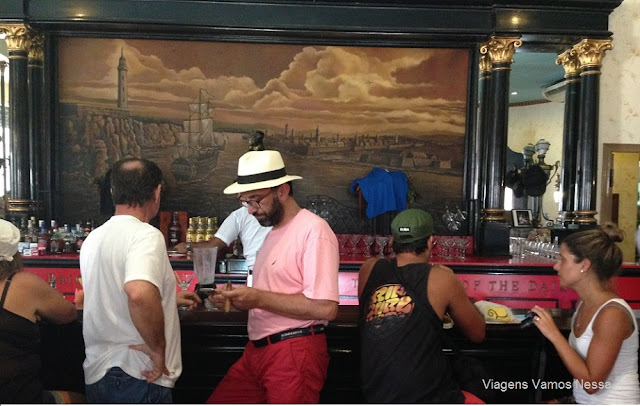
(388, 307)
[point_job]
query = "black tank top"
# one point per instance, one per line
(401, 339)
(19, 356)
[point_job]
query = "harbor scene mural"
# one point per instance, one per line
(334, 112)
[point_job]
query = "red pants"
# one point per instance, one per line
(290, 371)
(471, 399)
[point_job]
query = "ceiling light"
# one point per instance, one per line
(514, 93)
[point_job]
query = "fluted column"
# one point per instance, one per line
(494, 232)
(480, 151)
(590, 53)
(37, 139)
(484, 113)
(19, 201)
(501, 51)
(568, 175)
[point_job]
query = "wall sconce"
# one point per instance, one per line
(540, 150)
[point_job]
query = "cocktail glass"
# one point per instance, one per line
(368, 240)
(382, 241)
(354, 238)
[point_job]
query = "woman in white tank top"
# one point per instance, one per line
(602, 351)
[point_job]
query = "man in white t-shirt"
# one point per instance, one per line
(130, 320)
(294, 293)
(239, 224)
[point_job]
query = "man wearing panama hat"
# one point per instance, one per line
(293, 297)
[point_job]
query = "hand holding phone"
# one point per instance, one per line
(528, 320)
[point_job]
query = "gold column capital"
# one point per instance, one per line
(485, 64)
(16, 36)
(590, 52)
(570, 62)
(35, 44)
(501, 49)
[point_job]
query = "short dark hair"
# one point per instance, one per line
(417, 247)
(598, 245)
(133, 181)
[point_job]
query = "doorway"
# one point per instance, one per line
(619, 192)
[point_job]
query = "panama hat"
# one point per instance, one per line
(259, 170)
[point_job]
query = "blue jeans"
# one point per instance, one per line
(118, 387)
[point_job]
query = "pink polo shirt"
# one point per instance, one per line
(300, 257)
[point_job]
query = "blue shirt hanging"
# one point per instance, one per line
(383, 191)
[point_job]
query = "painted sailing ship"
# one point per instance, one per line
(198, 145)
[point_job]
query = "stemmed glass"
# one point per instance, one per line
(368, 240)
(184, 280)
(463, 243)
(354, 238)
(342, 241)
(382, 243)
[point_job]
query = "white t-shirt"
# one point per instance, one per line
(121, 250)
(244, 225)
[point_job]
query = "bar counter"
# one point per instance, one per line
(514, 282)
(213, 340)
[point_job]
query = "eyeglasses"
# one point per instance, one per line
(255, 203)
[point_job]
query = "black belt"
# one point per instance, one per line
(293, 333)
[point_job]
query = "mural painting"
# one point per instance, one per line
(334, 112)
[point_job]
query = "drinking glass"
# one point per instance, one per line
(184, 280)
(342, 243)
(354, 238)
(368, 240)
(382, 241)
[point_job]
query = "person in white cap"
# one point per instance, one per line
(25, 299)
(294, 293)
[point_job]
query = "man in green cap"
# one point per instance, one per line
(402, 305)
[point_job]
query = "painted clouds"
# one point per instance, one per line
(341, 89)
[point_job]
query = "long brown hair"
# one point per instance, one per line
(598, 245)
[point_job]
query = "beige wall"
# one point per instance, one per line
(620, 83)
(528, 124)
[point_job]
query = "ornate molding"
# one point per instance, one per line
(485, 64)
(570, 62)
(591, 52)
(16, 37)
(585, 217)
(501, 49)
(35, 43)
(493, 215)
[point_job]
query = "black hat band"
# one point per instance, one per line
(261, 177)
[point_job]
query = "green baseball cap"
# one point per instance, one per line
(411, 225)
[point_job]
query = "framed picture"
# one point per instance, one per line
(194, 117)
(522, 218)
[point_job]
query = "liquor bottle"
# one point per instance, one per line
(43, 239)
(69, 240)
(210, 230)
(79, 234)
(54, 238)
(23, 235)
(191, 230)
(34, 230)
(174, 230)
(88, 227)
(201, 229)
